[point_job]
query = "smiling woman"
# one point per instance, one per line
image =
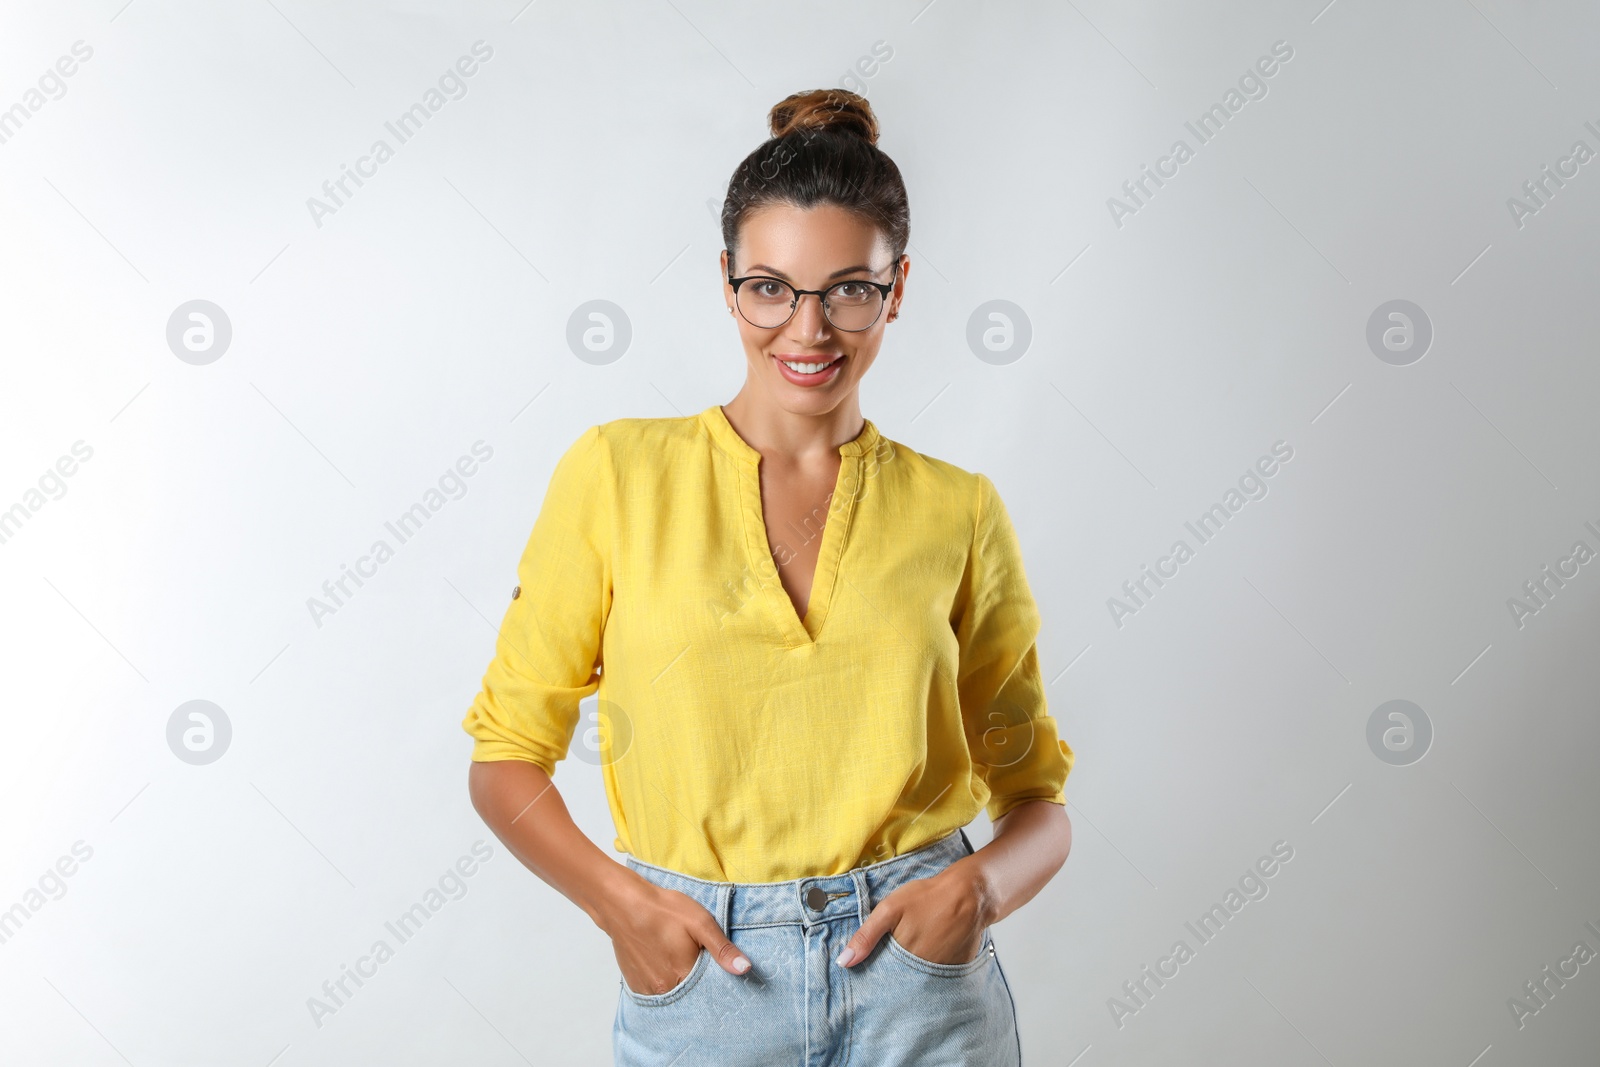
(789, 773)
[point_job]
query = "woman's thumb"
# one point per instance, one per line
(725, 952)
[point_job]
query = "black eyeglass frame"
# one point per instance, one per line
(885, 288)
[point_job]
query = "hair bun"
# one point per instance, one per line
(824, 109)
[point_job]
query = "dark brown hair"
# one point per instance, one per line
(823, 149)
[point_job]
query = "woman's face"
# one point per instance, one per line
(811, 248)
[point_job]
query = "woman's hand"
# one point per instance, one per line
(657, 934)
(940, 918)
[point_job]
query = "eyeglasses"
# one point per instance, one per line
(852, 305)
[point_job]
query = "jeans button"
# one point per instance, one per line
(816, 898)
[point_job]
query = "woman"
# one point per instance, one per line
(815, 654)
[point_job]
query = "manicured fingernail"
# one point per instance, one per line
(847, 957)
(741, 965)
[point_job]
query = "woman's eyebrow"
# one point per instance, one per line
(776, 273)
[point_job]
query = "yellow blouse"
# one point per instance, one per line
(737, 742)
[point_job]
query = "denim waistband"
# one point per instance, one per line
(807, 901)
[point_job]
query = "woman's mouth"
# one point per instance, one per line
(810, 371)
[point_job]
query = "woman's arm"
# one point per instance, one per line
(656, 933)
(1030, 845)
(1013, 743)
(522, 806)
(942, 918)
(998, 634)
(547, 658)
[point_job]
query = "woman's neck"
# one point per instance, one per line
(768, 428)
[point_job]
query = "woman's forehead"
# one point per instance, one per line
(823, 238)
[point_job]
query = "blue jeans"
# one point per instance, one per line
(796, 1007)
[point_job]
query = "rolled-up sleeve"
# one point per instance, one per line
(547, 654)
(1012, 737)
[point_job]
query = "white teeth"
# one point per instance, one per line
(808, 368)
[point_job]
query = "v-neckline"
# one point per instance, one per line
(835, 529)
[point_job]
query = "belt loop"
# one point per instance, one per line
(863, 895)
(724, 909)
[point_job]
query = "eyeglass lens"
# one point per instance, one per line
(850, 305)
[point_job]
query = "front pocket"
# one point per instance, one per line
(943, 970)
(684, 985)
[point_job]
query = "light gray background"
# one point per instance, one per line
(1167, 355)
